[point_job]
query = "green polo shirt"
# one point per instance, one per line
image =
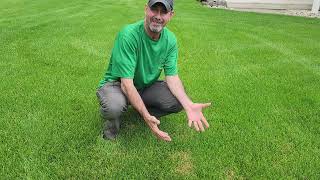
(136, 56)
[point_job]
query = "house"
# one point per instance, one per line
(275, 4)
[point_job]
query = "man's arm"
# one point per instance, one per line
(132, 94)
(193, 110)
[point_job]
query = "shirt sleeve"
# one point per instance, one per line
(123, 57)
(170, 67)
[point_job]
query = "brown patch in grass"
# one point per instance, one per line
(184, 165)
(287, 148)
(231, 174)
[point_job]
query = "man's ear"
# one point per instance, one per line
(145, 9)
(172, 13)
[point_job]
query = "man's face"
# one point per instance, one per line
(157, 17)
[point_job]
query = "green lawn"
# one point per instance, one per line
(261, 71)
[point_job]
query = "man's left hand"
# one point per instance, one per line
(195, 116)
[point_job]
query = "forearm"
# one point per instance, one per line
(134, 97)
(136, 101)
(177, 89)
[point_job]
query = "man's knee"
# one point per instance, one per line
(176, 108)
(112, 109)
(112, 101)
(173, 106)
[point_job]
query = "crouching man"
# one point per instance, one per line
(141, 51)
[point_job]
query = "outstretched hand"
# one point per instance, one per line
(195, 116)
(153, 123)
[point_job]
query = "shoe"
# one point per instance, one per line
(111, 129)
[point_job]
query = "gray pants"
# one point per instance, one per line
(157, 98)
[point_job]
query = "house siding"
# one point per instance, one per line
(270, 4)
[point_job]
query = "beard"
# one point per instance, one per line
(155, 26)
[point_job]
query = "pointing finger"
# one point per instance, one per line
(167, 138)
(164, 136)
(206, 105)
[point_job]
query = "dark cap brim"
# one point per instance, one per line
(164, 2)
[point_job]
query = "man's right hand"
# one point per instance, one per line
(132, 94)
(153, 123)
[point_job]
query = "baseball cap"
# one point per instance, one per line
(167, 3)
